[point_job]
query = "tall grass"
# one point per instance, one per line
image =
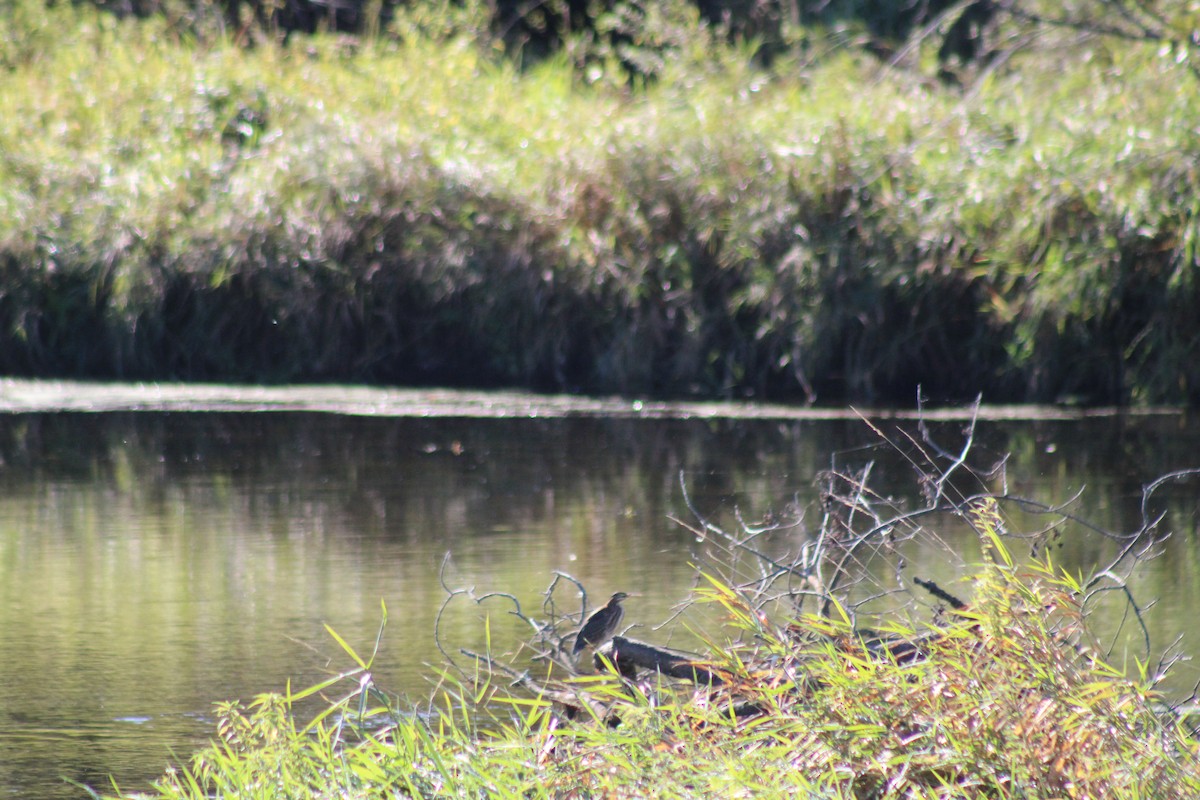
(994, 688)
(1002, 703)
(335, 209)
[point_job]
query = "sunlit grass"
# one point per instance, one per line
(370, 210)
(1004, 702)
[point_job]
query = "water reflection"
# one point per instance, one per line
(153, 563)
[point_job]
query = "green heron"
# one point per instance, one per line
(600, 626)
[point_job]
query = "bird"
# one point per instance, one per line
(600, 626)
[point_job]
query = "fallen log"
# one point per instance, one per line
(629, 655)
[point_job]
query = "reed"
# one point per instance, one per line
(1003, 704)
(824, 676)
(426, 212)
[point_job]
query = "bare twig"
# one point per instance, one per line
(833, 564)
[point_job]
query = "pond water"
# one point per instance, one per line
(154, 562)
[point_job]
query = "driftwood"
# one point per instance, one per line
(628, 656)
(906, 650)
(941, 594)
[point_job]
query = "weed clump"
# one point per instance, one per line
(1001, 693)
(999, 702)
(418, 210)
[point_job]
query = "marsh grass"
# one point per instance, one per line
(1006, 702)
(423, 211)
(995, 688)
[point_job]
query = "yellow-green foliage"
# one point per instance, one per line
(377, 210)
(1005, 702)
(1004, 706)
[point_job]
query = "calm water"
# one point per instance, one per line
(152, 563)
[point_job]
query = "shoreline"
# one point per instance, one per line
(19, 396)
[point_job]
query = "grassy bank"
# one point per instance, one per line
(1000, 700)
(364, 210)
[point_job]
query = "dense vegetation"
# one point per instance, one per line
(1004, 694)
(664, 212)
(1002, 708)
